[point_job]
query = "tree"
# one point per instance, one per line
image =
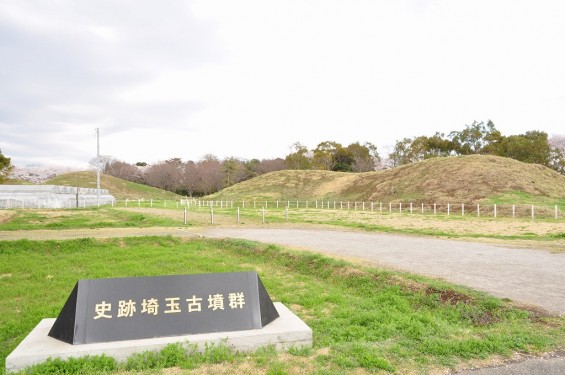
(364, 156)
(234, 170)
(166, 175)
(557, 156)
(298, 158)
(5, 167)
(325, 155)
(271, 165)
(532, 147)
(189, 178)
(343, 160)
(209, 174)
(402, 153)
(101, 162)
(124, 171)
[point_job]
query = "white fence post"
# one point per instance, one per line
(238, 215)
(495, 210)
(532, 212)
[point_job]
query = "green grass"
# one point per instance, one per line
(362, 318)
(97, 217)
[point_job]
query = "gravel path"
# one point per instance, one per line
(530, 277)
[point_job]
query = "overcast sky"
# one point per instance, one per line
(164, 79)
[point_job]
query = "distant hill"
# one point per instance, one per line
(120, 189)
(462, 179)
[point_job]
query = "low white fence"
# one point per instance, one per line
(448, 209)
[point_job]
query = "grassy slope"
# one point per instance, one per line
(465, 179)
(120, 189)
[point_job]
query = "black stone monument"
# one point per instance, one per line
(116, 309)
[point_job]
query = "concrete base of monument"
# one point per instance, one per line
(285, 332)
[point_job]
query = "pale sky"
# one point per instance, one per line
(247, 79)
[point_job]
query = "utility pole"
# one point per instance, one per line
(98, 167)
(77, 187)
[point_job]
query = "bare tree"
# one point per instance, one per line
(271, 165)
(166, 175)
(209, 174)
(124, 171)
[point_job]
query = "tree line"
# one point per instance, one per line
(480, 138)
(210, 174)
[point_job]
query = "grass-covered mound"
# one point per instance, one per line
(463, 179)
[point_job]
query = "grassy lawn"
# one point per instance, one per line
(96, 217)
(364, 319)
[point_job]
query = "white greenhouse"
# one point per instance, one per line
(51, 196)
